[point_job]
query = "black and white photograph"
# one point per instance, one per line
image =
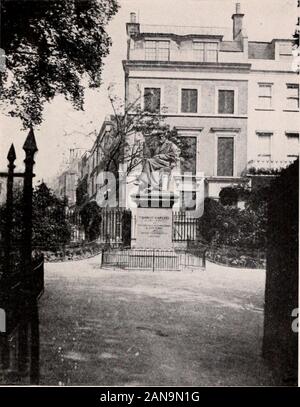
(149, 196)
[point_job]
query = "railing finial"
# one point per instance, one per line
(30, 143)
(11, 156)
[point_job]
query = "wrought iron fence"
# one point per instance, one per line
(141, 259)
(154, 259)
(184, 227)
(115, 227)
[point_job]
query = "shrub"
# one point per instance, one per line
(91, 219)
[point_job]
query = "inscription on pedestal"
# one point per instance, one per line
(154, 228)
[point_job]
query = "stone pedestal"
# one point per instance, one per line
(154, 220)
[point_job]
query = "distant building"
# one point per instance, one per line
(67, 181)
(236, 100)
(92, 163)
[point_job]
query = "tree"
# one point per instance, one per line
(132, 138)
(50, 226)
(50, 47)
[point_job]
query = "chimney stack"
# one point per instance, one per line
(237, 23)
(133, 18)
(133, 27)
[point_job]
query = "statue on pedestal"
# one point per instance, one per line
(156, 170)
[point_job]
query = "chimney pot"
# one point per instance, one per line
(133, 18)
(238, 8)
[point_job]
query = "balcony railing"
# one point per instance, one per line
(269, 164)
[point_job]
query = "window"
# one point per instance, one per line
(189, 100)
(205, 51)
(157, 50)
(292, 144)
(265, 96)
(225, 156)
(264, 145)
(292, 96)
(188, 148)
(152, 100)
(226, 101)
(188, 200)
(285, 50)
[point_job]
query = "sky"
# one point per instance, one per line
(64, 128)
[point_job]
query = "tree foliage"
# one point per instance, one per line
(225, 224)
(91, 219)
(51, 228)
(49, 223)
(134, 135)
(50, 46)
(82, 191)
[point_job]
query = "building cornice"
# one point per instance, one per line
(203, 66)
(226, 129)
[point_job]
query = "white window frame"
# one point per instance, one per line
(271, 135)
(196, 87)
(223, 135)
(235, 100)
(292, 97)
(154, 86)
(156, 41)
(268, 84)
(205, 51)
(296, 136)
(284, 54)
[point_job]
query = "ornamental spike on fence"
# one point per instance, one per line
(11, 156)
(30, 143)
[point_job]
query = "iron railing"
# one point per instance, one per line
(154, 259)
(184, 227)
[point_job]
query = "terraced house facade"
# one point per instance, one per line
(237, 101)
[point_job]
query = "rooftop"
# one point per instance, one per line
(185, 30)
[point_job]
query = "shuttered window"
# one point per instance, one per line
(225, 156)
(189, 100)
(226, 102)
(152, 100)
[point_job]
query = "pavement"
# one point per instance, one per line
(131, 328)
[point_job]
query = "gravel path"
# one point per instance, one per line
(116, 327)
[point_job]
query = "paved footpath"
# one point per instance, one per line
(115, 327)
